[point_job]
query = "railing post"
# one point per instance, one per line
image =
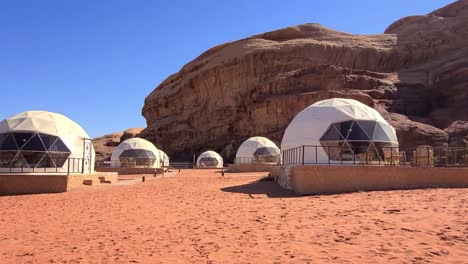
(341, 156)
(68, 167)
(316, 158)
(298, 150)
(416, 157)
(391, 156)
(303, 149)
(379, 154)
(428, 158)
(295, 155)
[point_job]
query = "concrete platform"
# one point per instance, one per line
(15, 184)
(250, 167)
(128, 171)
(343, 179)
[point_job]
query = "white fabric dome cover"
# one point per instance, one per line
(211, 157)
(135, 143)
(246, 151)
(310, 125)
(44, 123)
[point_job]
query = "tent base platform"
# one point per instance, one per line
(16, 184)
(303, 179)
(254, 167)
(130, 170)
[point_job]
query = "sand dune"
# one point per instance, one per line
(200, 217)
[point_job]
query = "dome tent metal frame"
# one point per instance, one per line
(209, 159)
(333, 130)
(257, 150)
(142, 154)
(42, 141)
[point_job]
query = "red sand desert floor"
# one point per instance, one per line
(199, 217)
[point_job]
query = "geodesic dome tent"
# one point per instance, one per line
(44, 141)
(337, 131)
(209, 159)
(164, 159)
(136, 152)
(257, 150)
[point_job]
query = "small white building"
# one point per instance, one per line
(337, 131)
(43, 141)
(209, 159)
(257, 150)
(136, 152)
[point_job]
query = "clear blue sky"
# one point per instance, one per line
(96, 61)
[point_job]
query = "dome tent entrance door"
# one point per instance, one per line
(87, 146)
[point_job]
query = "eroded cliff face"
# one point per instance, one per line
(416, 75)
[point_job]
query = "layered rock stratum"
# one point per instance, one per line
(415, 74)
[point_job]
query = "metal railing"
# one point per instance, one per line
(182, 165)
(450, 157)
(382, 156)
(71, 166)
(258, 160)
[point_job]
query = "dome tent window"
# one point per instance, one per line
(208, 162)
(344, 140)
(33, 150)
(266, 154)
(137, 157)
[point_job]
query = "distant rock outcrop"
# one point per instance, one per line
(415, 74)
(130, 133)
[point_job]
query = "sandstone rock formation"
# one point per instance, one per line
(130, 133)
(105, 144)
(415, 74)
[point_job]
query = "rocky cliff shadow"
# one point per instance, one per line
(269, 188)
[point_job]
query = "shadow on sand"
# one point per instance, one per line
(269, 188)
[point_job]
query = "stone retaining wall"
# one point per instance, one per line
(249, 167)
(342, 179)
(127, 171)
(15, 184)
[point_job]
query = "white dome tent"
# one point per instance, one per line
(257, 150)
(164, 159)
(136, 152)
(209, 159)
(337, 131)
(43, 141)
